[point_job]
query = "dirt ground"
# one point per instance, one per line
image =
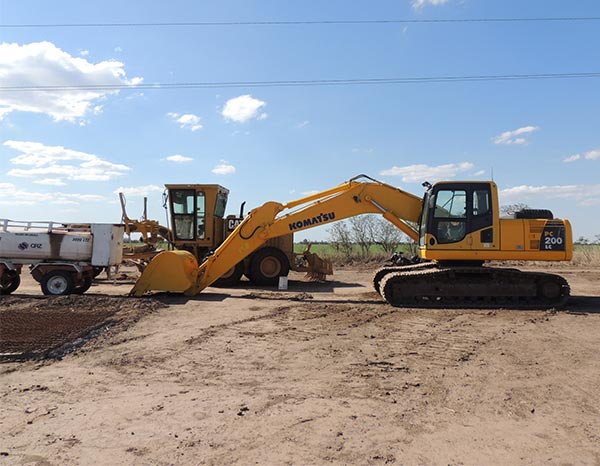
(319, 374)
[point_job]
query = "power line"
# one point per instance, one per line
(299, 83)
(304, 23)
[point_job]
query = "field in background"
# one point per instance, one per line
(586, 255)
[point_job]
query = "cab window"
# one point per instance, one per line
(183, 213)
(221, 205)
(481, 202)
(201, 215)
(450, 215)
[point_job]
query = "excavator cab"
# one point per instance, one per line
(460, 222)
(459, 216)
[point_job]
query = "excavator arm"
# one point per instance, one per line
(178, 270)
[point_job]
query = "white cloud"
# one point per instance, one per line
(187, 120)
(243, 108)
(58, 164)
(358, 150)
(593, 154)
(223, 168)
(479, 173)
(44, 64)
(571, 158)
(51, 182)
(11, 195)
(418, 4)
(590, 155)
(510, 137)
(581, 194)
(178, 158)
(419, 173)
(303, 124)
(138, 191)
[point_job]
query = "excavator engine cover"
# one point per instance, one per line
(169, 271)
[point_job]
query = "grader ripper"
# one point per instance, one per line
(456, 225)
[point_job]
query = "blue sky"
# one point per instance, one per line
(65, 155)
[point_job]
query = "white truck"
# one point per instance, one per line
(62, 258)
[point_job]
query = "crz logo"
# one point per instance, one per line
(24, 246)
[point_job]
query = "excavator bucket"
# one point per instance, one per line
(318, 268)
(169, 271)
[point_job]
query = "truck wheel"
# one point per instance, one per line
(87, 282)
(57, 282)
(267, 265)
(9, 283)
(232, 276)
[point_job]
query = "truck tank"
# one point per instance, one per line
(20, 244)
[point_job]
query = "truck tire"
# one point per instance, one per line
(9, 283)
(57, 282)
(267, 265)
(232, 276)
(87, 282)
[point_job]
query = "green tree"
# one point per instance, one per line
(363, 229)
(341, 238)
(387, 235)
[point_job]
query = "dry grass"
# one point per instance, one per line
(583, 256)
(587, 255)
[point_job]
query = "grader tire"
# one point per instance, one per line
(232, 276)
(267, 265)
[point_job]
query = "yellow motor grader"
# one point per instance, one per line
(199, 226)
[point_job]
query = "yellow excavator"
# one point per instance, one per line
(456, 224)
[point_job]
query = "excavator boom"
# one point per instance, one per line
(175, 270)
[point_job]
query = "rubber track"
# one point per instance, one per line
(495, 288)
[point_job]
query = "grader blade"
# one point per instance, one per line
(169, 271)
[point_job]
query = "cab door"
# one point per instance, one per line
(484, 234)
(448, 220)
